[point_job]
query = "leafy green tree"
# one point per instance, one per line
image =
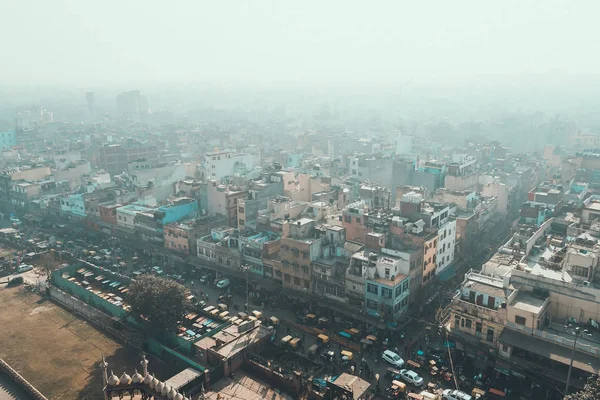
(591, 391)
(162, 302)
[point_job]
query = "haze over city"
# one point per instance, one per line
(316, 200)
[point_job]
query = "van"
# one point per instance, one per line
(223, 283)
(24, 268)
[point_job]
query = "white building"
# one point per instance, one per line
(219, 164)
(404, 143)
(446, 245)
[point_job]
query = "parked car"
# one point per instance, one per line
(223, 283)
(204, 278)
(24, 268)
(453, 394)
(392, 358)
(15, 281)
(411, 377)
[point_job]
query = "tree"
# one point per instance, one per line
(591, 391)
(161, 301)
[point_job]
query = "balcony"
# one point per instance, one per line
(489, 314)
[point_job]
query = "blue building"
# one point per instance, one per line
(387, 298)
(179, 209)
(8, 139)
(73, 204)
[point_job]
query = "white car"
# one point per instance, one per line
(392, 358)
(411, 377)
(453, 394)
(24, 268)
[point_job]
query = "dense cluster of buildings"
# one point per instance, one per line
(372, 223)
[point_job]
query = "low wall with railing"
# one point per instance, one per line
(19, 380)
(594, 350)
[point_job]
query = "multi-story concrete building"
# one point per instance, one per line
(34, 173)
(478, 315)
(222, 200)
(446, 245)
(115, 158)
(220, 164)
(298, 251)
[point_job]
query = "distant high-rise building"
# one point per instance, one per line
(91, 101)
(132, 105)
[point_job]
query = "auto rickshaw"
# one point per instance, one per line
(323, 339)
(295, 343)
(323, 321)
(242, 315)
(222, 307)
(347, 356)
(415, 396)
(286, 340)
(396, 390)
(311, 318)
(257, 314)
(354, 332)
(415, 365)
(392, 373)
(274, 321)
(477, 393)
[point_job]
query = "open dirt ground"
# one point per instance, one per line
(58, 352)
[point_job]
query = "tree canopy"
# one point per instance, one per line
(161, 301)
(590, 392)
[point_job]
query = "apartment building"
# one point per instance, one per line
(298, 250)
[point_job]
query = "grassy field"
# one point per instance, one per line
(58, 352)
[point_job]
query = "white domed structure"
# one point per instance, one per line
(113, 380)
(153, 382)
(165, 390)
(148, 379)
(125, 379)
(159, 386)
(171, 394)
(178, 396)
(137, 377)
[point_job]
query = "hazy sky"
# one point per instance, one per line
(141, 41)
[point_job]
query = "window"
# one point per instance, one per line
(478, 327)
(371, 303)
(520, 320)
(386, 293)
(490, 335)
(405, 286)
(580, 271)
(504, 348)
(372, 288)
(357, 220)
(387, 273)
(468, 323)
(347, 218)
(286, 278)
(456, 321)
(241, 210)
(240, 222)
(404, 301)
(305, 269)
(297, 281)
(306, 283)
(398, 291)
(278, 274)
(353, 172)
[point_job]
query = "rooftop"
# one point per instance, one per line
(354, 384)
(526, 302)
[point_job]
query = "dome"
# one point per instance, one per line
(137, 377)
(178, 396)
(159, 386)
(113, 379)
(147, 379)
(171, 394)
(125, 379)
(165, 390)
(153, 382)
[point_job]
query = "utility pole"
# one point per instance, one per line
(577, 332)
